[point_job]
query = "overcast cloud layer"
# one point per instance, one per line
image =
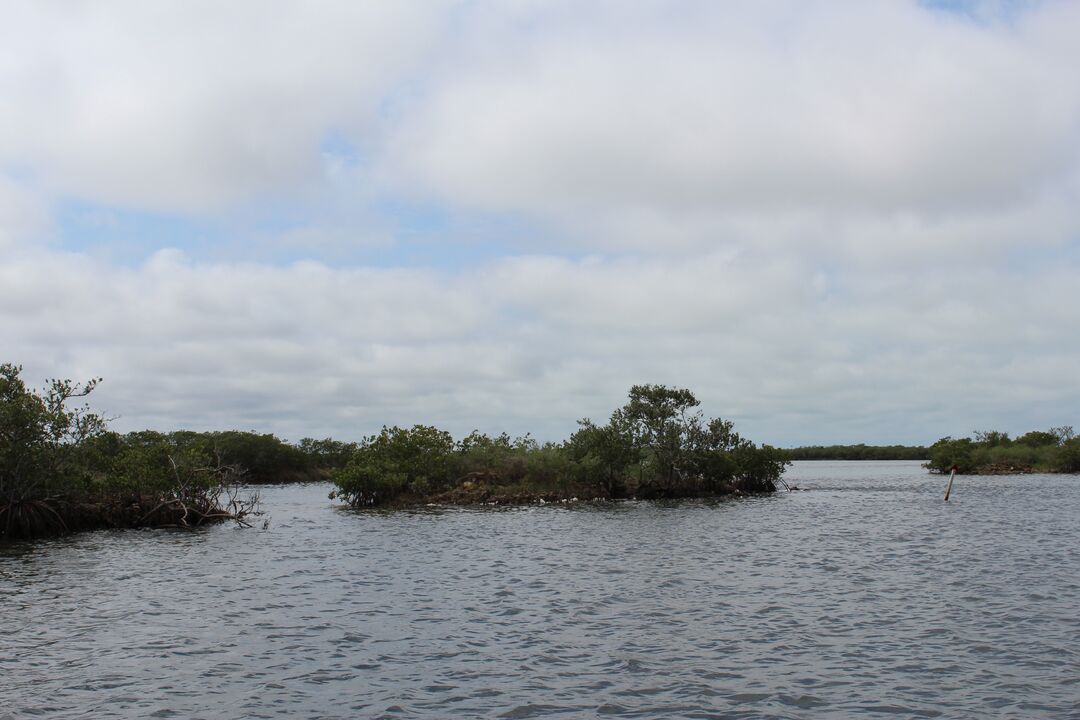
(836, 222)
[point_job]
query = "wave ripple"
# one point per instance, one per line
(864, 596)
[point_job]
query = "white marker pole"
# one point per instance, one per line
(948, 489)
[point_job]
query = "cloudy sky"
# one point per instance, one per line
(841, 221)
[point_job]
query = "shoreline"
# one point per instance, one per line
(471, 493)
(57, 516)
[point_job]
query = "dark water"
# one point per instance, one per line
(864, 596)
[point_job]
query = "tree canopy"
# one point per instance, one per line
(656, 445)
(1054, 450)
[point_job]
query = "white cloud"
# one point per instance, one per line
(23, 216)
(834, 221)
(194, 106)
(764, 110)
(535, 343)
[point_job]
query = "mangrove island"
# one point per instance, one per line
(62, 469)
(993, 452)
(655, 446)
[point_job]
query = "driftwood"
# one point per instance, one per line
(203, 507)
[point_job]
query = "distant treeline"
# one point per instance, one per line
(858, 452)
(1056, 450)
(62, 469)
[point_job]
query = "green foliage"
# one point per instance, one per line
(659, 424)
(717, 455)
(1038, 438)
(43, 440)
(658, 446)
(992, 438)
(758, 468)
(327, 454)
(62, 469)
(1066, 457)
(654, 446)
(947, 452)
(151, 463)
(397, 462)
(604, 453)
(264, 457)
(549, 466)
(1053, 450)
(497, 456)
(859, 452)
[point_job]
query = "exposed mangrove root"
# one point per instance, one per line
(23, 519)
(31, 518)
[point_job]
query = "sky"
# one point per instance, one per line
(835, 222)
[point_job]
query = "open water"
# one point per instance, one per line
(863, 595)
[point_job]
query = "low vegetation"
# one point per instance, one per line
(1056, 450)
(656, 446)
(859, 452)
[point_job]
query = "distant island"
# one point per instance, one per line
(858, 452)
(62, 469)
(992, 452)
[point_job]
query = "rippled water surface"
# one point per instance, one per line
(864, 595)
